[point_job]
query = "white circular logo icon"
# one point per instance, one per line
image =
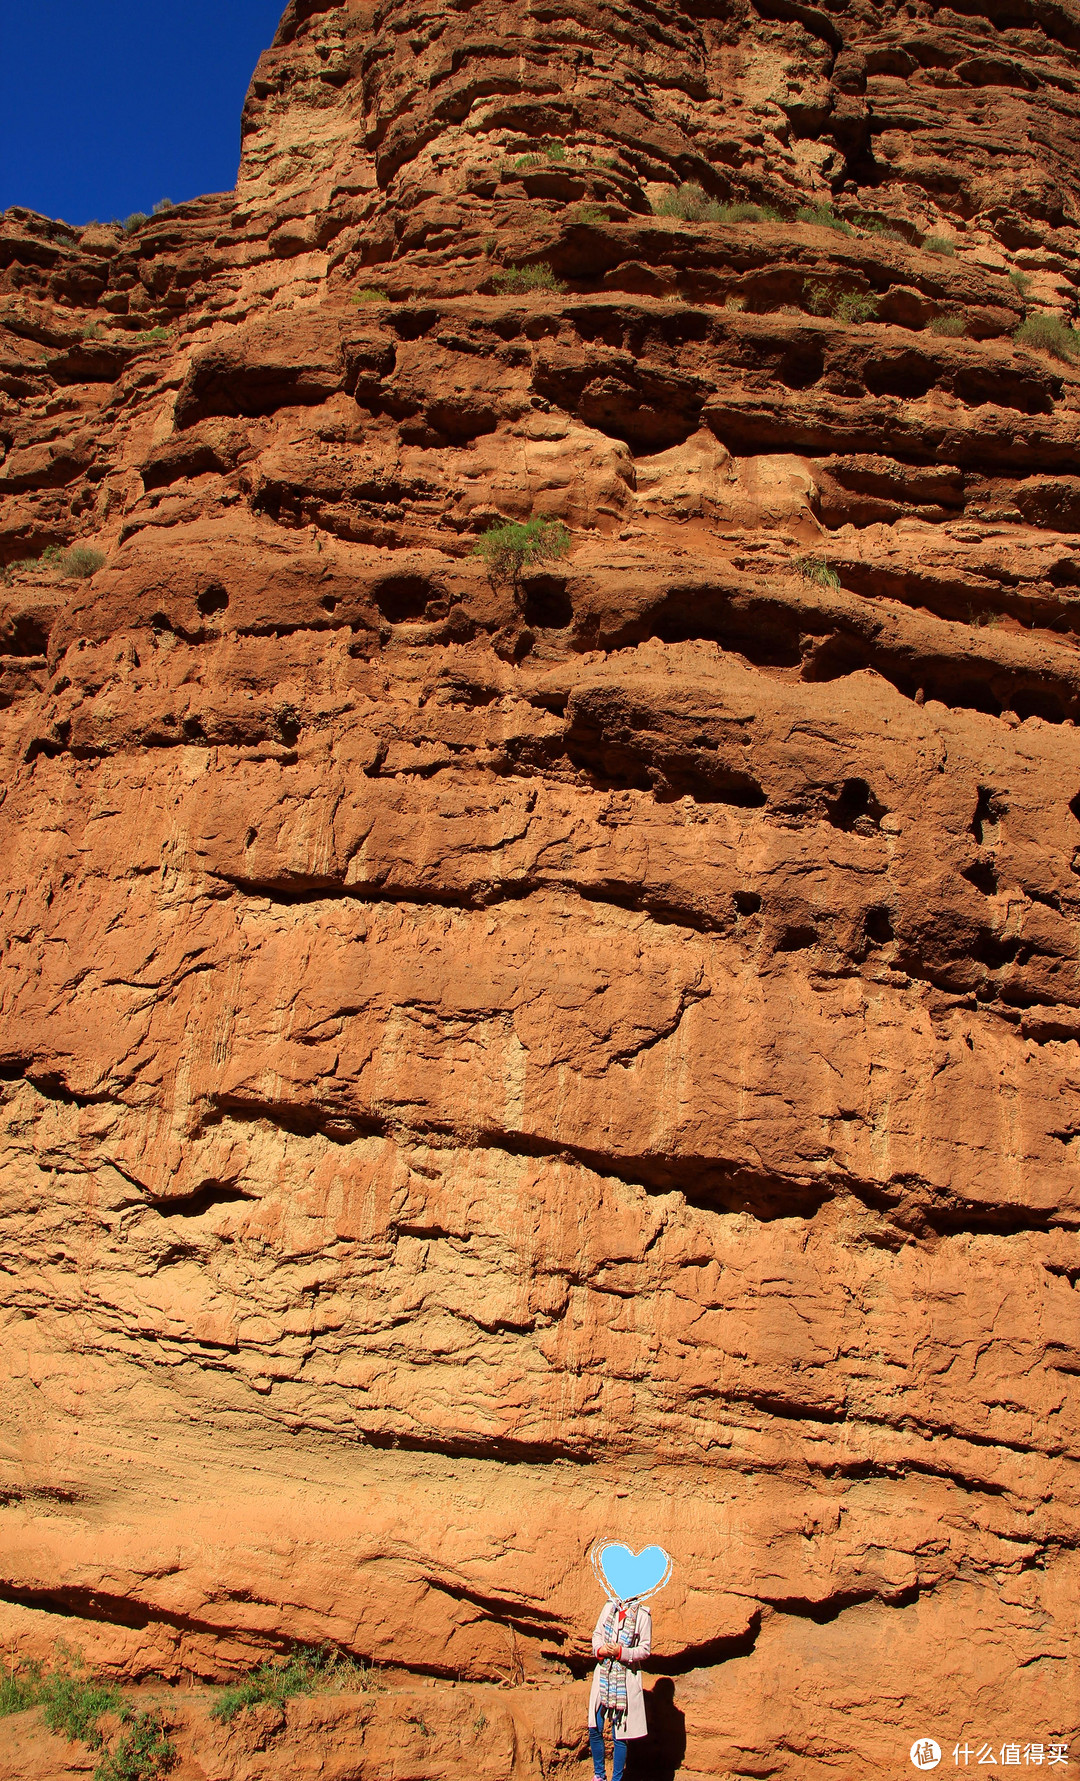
(925, 1754)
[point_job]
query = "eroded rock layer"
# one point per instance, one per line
(486, 1067)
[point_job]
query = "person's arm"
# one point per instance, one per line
(641, 1648)
(598, 1635)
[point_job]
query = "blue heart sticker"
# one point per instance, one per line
(627, 1574)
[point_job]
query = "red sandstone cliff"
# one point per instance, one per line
(480, 1073)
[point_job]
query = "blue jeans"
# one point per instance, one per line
(596, 1745)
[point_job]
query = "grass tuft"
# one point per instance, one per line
(308, 1669)
(842, 306)
(131, 224)
(692, 204)
(508, 550)
(824, 216)
(369, 293)
(81, 561)
(939, 244)
(152, 337)
(514, 280)
(1049, 334)
(20, 1689)
(816, 570)
(1020, 281)
(951, 327)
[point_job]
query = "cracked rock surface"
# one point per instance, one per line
(484, 1068)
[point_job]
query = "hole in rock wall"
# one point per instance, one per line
(801, 367)
(856, 808)
(27, 636)
(982, 876)
(403, 599)
(547, 603)
(797, 938)
(878, 927)
(211, 1193)
(907, 375)
(212, 599)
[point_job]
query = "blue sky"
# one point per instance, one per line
(106, 106)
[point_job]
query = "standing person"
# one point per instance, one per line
(621, 1641)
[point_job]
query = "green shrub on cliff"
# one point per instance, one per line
(692, 204)
(949, 326)
(1049, 334)
(939, 244)
(842, 306)
(508, 550)
(516, 280)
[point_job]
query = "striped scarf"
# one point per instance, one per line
(612, 1694)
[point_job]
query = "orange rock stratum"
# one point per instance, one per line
(489, 1066)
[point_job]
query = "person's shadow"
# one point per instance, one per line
(657, 1756)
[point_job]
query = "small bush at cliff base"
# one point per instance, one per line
(514, 280)
(143, 1751)
(20, 1689)
(74, 1702)
(275, 1682)
(510, 549)
(1049, 334)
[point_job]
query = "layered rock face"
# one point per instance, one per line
(487, 1067)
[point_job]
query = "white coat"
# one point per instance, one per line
(633, 1656)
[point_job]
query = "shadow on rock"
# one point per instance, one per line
(658, 1756)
